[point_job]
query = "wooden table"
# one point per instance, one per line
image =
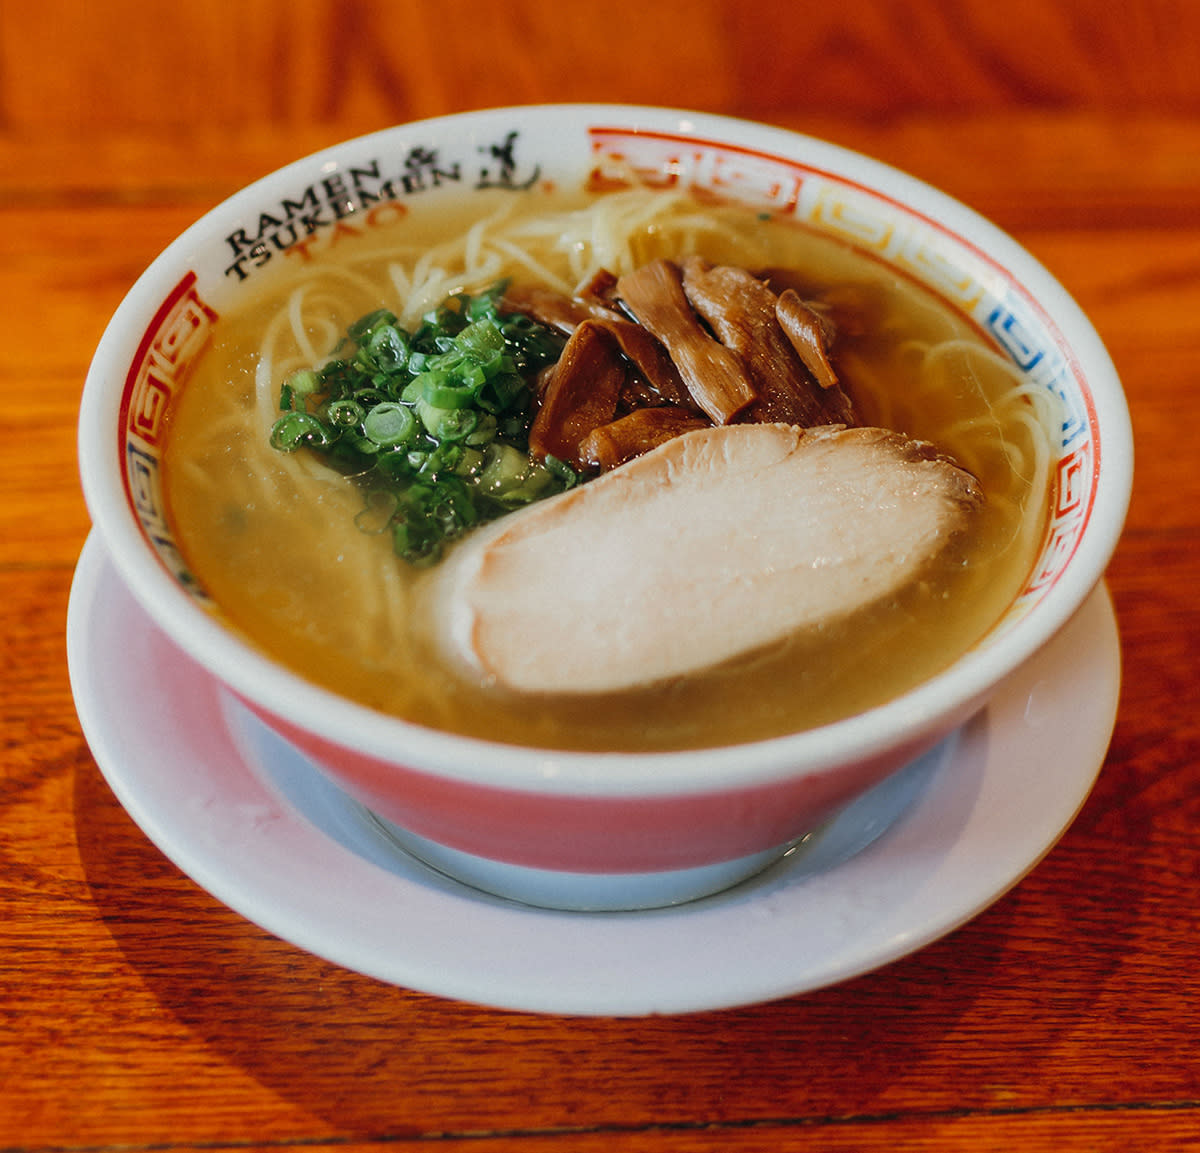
(137, 1012)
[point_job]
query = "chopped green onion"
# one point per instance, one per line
(304, 382)
(561, 471)
(298, 430)
(389, 425)
(442, 390)
(434, 424)
(386, 349)
(344, 413)
(505, 471)
(379, 507)
(447, 423)
(502, 392)
(484, 432)
(370, 397)
(470, 464)
(363, 327)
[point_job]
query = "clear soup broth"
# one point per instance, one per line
(272, 537)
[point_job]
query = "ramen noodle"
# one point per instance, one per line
(275, 538)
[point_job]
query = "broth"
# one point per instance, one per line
(272, 537)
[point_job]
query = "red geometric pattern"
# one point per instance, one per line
(176, 337)
(179, 332)
(664, 160)
(1072, 504)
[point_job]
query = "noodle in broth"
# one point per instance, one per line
(273, 537)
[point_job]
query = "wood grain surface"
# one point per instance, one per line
(138, 1013)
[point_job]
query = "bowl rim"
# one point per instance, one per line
(943, 700)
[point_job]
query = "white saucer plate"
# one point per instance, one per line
(257, 826)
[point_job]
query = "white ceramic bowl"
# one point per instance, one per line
(618, 830)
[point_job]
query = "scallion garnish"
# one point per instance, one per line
(433, 424)
(390, 425)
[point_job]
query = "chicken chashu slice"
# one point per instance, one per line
(714, 545)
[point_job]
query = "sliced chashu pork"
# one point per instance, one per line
(712, 546)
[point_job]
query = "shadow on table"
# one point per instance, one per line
(930, 1031)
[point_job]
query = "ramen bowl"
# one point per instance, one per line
(570, 829)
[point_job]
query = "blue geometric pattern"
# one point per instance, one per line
(922, 248)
